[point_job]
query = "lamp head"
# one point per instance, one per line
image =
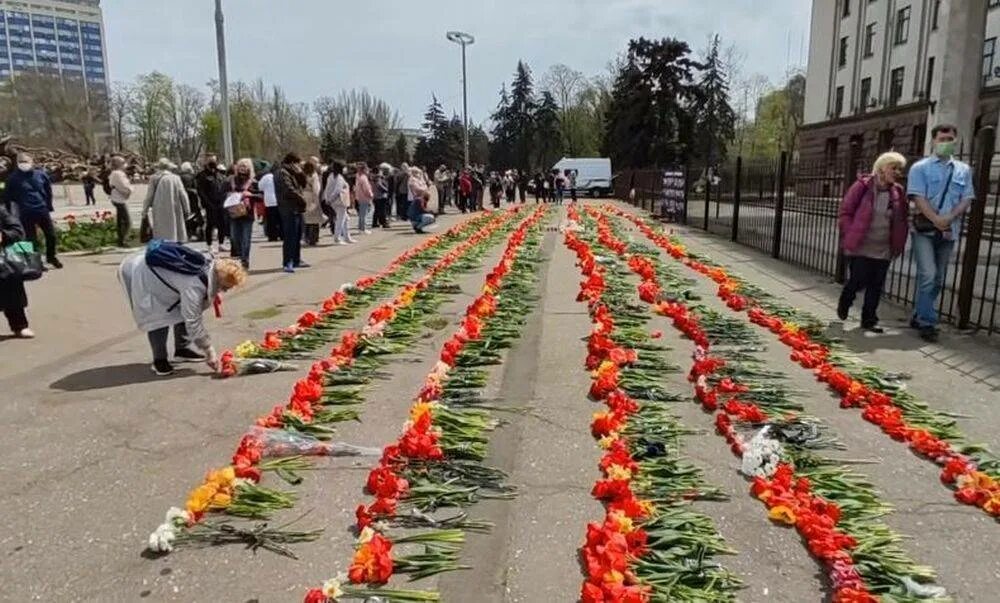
(460, 37)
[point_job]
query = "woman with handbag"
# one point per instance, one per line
(873, 231)
(239, 205)
(13, 297)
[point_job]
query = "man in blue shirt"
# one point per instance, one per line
(941, 189)
(29, 191)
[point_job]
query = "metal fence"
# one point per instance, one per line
(788, 209)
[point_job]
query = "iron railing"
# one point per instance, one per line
(788, 209)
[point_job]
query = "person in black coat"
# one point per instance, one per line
(13, 297)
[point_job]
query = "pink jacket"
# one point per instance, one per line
(363, 189)
(855, 217)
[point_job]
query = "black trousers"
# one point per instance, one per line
(867, 274)
(291, 238)
(16, 318)
(272, 223)
(215, 219)
(31, 223)
(158, 340)
(381, 217)
(401, 206)
(123, 223)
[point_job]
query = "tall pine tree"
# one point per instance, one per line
(522, 117)
(548, 134)
(715, 121)
(651, 120)
(501, 149)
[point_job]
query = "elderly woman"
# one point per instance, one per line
(313, 217)
(873, 231)
(420, 217)
(13, 297)
(168, 202)
(161, 298)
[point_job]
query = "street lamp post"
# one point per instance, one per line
(464, 40)
(227, 126)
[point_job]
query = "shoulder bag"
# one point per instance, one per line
(922, 223)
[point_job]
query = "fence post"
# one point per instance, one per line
(983, 149)
(779, 207)
(737, 185)
(708, 198)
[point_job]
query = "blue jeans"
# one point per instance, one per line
(240, 233)
(932, 255)
(419, 222)
(291, 237)
(364, 211)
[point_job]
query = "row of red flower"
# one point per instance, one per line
(372, 562)
(971, 486)
(274, 340)
(788, 497)
(612, 545)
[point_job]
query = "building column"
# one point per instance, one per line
(956, 89)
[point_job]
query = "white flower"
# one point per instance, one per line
(331, 588)
(347, 287)
(177, 516)
(366, 535)
(761, 455)
(161, 540)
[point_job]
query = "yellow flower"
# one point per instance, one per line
(418, 410)
(614, 577)
(406, 297)
(622, 522)
(221, 500)
(246, 349)
(199, 498)
(606, 442)
(647, 507)
(782, 514)
(619, 473)
(223, 478)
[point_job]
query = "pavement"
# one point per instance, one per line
(94, 448)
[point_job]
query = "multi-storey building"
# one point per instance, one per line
(882, 72)
(56, 37)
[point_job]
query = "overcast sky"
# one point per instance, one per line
(397, 48)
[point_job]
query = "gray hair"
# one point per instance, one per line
(187, 168)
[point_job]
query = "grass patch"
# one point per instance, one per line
(263, 313)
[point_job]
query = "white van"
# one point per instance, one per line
(593, 174)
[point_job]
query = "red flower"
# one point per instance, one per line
(384, 483)
(315, 595)
(271, 341)
(372, 563)
(308, 319)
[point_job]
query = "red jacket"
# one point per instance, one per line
(855, 217)
(465, 184)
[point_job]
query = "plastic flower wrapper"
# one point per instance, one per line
(761, 455)
(231, 365)
(280, 442)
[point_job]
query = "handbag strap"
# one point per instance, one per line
(944, 193)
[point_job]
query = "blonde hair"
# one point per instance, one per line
(230, 273)
(247, 163)
(887, 159)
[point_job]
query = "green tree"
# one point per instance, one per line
(501, 149)
(400, 151)
(548, 137)
(715, 120)
(650, 119)
(479, 146)
(777, 120)
(522, 117)
(150, 114)
(368, 142)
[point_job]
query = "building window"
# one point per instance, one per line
(870, 40)
(896, 85)
(866, 94)
(936, 13)
(842, 56)
(830, 150)
(846, 12)
(917, 139)
(930, 78)
(838, 106)
(989, 50)
(902, 25)
(885, 139)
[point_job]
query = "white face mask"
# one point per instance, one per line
(25, 167)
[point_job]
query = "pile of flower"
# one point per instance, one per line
(959, 470)
(421, 445)
(308, 410)
(90, 232)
